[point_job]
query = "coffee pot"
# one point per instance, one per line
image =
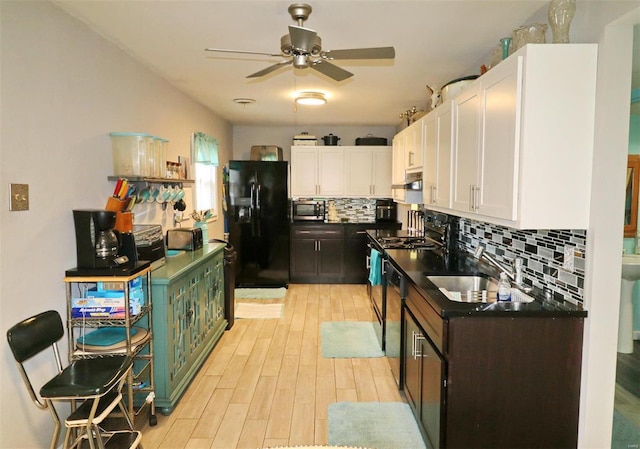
(97, 243)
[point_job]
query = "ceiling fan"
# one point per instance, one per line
(303, 47)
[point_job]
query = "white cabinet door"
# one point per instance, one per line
(414, 146)
(466, 110)
(368, 171)
(359, 172)
(430, 163)
(444, 155)
(397, 165)
(382, 162)
(499, 144)
(304, 171)
(330, 171)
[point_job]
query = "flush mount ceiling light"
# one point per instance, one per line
(244, 101)
(311, 98)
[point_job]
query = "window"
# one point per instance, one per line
(204, 153)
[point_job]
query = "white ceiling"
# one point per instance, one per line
(436, 41)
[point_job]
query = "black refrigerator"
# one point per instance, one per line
(258, 220)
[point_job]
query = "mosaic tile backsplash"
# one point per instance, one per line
(542, 251)
(355, 209)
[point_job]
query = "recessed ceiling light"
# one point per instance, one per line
(244, 100)
(311, 98)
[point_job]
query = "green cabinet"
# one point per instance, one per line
(189, 315)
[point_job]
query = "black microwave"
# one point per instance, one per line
(308, 210)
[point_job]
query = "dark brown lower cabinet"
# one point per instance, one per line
(424, 376)
(317, 254)
(509, 381)
(331, 252)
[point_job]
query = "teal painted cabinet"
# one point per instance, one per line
(188, 319)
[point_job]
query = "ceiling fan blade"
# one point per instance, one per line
(302, 39)
(222, 50)
(331, 70)
(271, 68)
(361, 53)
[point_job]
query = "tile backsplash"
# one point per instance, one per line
(354, 209)
(543, 252)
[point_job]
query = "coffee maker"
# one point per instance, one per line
(97, 243)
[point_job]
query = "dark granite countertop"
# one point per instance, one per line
(416, 264)
(342, 223)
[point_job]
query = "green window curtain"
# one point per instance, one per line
(204, 149)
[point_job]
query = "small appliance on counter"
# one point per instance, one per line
(386, 211)
(308, 210)
(98, 245)
(187, 239)
(149, 240)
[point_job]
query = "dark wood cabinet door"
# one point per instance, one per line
(433, 371)
(303, 265)
(330, 259)
(355, 261)
(412, 365)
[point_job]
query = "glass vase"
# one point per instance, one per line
(560, 16)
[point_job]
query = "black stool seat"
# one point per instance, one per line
(87, 377)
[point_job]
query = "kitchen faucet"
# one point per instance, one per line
(515, 272)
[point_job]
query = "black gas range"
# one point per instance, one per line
(387, 287)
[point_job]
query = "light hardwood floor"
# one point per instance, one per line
(266, 383)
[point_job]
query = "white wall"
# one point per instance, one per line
(244, 137)
(64, 88)
(605, 235)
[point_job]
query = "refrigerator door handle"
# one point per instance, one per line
(258, 212)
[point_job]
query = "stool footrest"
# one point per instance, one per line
(107, 403)
(118, 440)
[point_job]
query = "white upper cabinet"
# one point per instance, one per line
(337, 171)
(317, 171)
(438, 147)
(523, 140)
(397, 166)
(485, 153)
(414, 147)
(368, 171)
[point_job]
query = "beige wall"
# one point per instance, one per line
(64, 88)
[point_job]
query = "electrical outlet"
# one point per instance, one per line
(567, 262)
(18, 197)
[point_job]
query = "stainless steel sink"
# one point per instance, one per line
(465, 283)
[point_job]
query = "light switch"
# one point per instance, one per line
(18, 197)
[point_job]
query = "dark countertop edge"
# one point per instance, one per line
(344, 223)
(176, 266)
(446, 308)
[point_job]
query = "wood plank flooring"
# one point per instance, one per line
(266, 383)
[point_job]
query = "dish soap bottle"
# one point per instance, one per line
(504, 288)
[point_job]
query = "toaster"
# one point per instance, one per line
(188, 239)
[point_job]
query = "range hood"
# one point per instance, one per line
(412, 181)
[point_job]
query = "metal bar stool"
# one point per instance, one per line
(96, 381)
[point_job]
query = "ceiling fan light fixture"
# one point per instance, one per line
(311, 98)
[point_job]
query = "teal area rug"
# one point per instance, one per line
(260, 293)
(625, 434)
(349, 339)
(379, 425)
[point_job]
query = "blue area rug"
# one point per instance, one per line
(379, 425)
(349, 339)
(625, 434)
